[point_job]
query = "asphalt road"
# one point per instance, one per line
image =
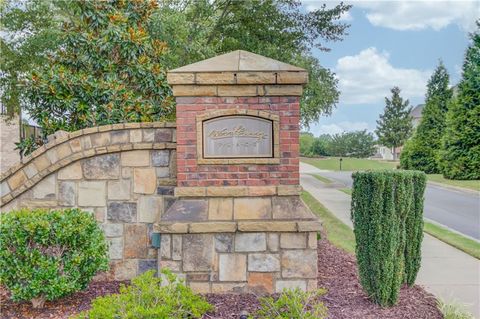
(453, 208)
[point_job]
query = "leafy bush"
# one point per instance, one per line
(383, 202)
(292, 304)
(149, 297)
(453, 311)
(45, 255)
(414, 228)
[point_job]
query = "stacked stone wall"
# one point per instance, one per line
(123, 174)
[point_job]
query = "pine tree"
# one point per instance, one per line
(395, 125)
(422, 151)
(108, 70)
(460, 157)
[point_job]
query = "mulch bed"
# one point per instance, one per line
(337, 273)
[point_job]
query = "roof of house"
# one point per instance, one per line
(416, 112)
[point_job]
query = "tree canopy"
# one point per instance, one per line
(421, 152)
(460, 155)
(394, 126)
(195, 30)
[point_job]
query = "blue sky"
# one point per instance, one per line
(392, 43)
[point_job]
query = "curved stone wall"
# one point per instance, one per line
(124, 174)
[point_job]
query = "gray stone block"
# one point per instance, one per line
(160, 158)
(122, 212)
(102, 167)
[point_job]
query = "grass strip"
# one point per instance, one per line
(456, 240)
(322, 179)
(337, 232)
(438, 178)
(347, 191)
(348, 163)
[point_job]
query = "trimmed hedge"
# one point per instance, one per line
(45, 255)
(385, 204)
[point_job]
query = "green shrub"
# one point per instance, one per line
(414, 228)
(382, 203)
(149, 297)
(453, 311)
(292, 304)
(45, 255)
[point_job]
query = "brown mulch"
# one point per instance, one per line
(337, 273)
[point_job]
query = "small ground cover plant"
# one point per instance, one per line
(292, 304)
(45, 255)
(150, 297)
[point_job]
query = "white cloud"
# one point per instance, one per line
(340, 127)
(419, 15)
(368, 77)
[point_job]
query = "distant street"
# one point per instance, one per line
(452, 208)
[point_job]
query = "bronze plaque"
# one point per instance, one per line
(237, 136)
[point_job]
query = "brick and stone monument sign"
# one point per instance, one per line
(214, 196)
(238, 223)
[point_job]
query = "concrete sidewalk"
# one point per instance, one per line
(446, 272)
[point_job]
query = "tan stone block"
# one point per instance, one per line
(64, 150)
(293, 240)
(99, 214)
(30, 170)
(135, 136)
(135, 245)
(299, 263)
(232, 267)
(144, 181)
(312, 240)
(180, 78)
(198, 252)
(170, 264)
(194, 90)
(72, 171)
(33, 203)
(227, 191)
(124, 269)
(252, 208)
(149, 209)
(272, 226)
(292, 77)
(220, 208)
(100, 139)
(52, 155)
(260, 283)
(177, 247)
(288, 190)
(41, 163)
(283, 90)
(200, 287)
(46, 188)
(237, 90)
(189, 191)
(215, 78)
(262, 190)
(172, 228)
(127, 172)
(91, 193)
(136, 158)
(256, 78)
(280, 285)
(119, 189)
(228, 287)
(273, 242)
(17, 180)
(213, 227)
(312, 285)
(313, 225)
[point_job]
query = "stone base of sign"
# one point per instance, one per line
(256, 262)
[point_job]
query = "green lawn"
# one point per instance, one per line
(347, 191)
(337, 232)
(322, 179)
(438, 178)
(348, 164)
(465, 244)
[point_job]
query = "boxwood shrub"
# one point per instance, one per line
(150, 297)
(387, 213)
(45, 255)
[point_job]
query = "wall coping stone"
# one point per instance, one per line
(238, 191)
(240, 226)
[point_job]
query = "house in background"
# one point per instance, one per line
(9, 135)
(385, 153)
